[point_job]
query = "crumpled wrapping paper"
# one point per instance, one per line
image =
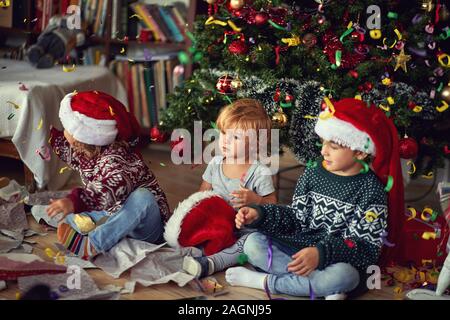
(149, 263)
(87, 290)
(13, 217)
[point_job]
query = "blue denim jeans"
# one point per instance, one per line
(139, 218)
(336, 278)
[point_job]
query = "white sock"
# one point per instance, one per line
(240, 276)
(336, 296)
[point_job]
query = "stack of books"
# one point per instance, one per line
(166, 23)
(147, 84)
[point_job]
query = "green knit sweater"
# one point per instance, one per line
(332, 213)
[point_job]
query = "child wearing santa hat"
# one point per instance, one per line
(120, 196)
(341, 211)
(238, 177)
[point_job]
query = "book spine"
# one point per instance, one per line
(176, 34)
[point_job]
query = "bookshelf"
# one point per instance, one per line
(27, 30)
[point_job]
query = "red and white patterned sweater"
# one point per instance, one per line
(109, 178)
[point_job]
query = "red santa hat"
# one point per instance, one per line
(358, 126)
(204, 219)
(96, 118)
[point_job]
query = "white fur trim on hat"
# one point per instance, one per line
(173, 226)
(345, 134)
(85, 129)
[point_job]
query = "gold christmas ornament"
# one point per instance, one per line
(279, 119)
(236, 4)
(401, 60)
(445, 93)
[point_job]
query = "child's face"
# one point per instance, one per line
(340, 160)
(233, 144)
(69, 137)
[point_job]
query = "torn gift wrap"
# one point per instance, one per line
(43, 198)
(76, 284)
(15, 265)
(39, 213)
(13, 217)
(162, 266)
(13, 192)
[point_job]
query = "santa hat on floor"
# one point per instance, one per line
(358, 126)
(96, 118)
(203, 220)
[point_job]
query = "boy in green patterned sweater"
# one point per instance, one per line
(335, 227)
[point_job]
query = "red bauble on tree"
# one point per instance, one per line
(261, 18)
(157, 136)
(238, 47)
(408, 148)
(224, 86)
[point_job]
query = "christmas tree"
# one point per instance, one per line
(298, 56)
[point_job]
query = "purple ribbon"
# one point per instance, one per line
(269, 254)
(312, 295)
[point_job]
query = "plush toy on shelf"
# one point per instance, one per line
(54, 43)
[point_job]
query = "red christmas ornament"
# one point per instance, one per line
(368, 86)
(261, 18)
(408, 148)
(289, 98)
(238, 47)
(276, 96)
(353, 74)
(157, 136)
(224, 86)
(411, 105)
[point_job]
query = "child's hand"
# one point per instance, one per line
(64, 206)
(245, 216)
(243, 197)
(304, 262)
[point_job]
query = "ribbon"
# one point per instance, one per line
(211, 20)
(276, 26)
(413, 167)
(443, 107)
(427, 235)
(413, 213)
(417, 109)
(445, 35)
(441, 58)
(69, 69)
(327, 114)
(291, 42)
(365, 168)
(346, 33)
(233, 26)
(389, 184)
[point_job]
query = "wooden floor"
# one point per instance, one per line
(178, 182)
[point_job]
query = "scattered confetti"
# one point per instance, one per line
(429, 235)
(122, 50)
(18, 295)
(413, 167)
(39, 127)
(429, 175)
(413, 213)
(50, 253)
(137, 16)
(62, 169)
(371, 216)
(242, 259)
(15, 105)
(23, 87)
(69, 69)
(44, 153)
(111, 111)
(311, 164)
(11, 115)
(162, 164)
(389, 184)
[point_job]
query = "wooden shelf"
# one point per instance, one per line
(17, 31)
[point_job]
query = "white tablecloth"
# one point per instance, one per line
(40, 104)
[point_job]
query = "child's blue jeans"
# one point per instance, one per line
(336, 278)
(139, 218)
